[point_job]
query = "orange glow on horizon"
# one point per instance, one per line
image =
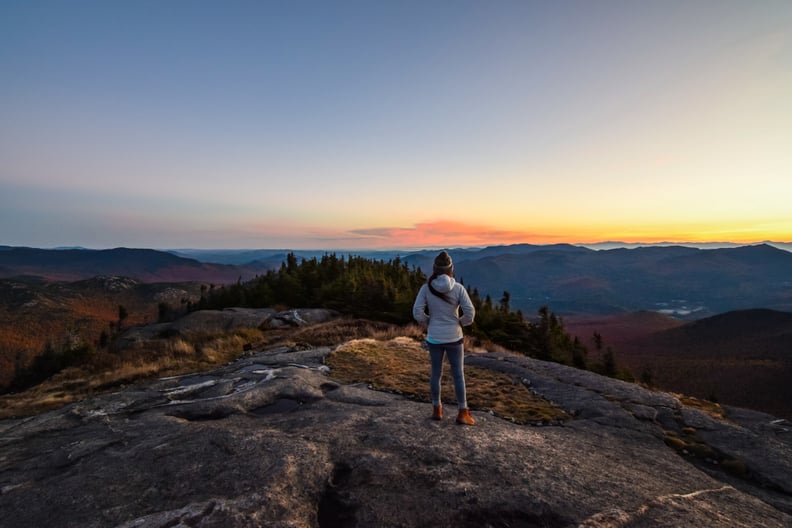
(448, 233)
(443, 233)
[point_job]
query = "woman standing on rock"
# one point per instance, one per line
(438, 303)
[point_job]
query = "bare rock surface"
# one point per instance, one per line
(274, 440)
(204, 322)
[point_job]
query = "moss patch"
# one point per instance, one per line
(400, 365)
(691, 446)
(711, 408)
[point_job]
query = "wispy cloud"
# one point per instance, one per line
(443, 234)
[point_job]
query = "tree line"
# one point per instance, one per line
(357, 286)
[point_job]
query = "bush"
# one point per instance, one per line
(50, 362)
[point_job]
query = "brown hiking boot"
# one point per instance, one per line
(437, 412)
(464, 418)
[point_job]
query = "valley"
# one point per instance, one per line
(741, 358)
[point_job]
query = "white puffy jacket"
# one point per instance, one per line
(445, 324)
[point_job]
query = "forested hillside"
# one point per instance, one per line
(682, 281)
(385, 291)
(47, 326)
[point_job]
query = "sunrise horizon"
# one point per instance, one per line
(394, 125)
(451, 243)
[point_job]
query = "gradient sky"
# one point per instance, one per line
(373, 124)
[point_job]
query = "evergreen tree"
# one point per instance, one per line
(579, 354)
(122, 315)
(609, 363)
(504, 302)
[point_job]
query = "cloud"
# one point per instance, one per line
(444, 234)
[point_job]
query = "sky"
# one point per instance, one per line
(401, 124)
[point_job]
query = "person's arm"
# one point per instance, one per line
(468, 311)
(419, 307)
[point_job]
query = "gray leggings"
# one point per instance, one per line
(456, 357)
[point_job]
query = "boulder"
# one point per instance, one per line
(301, 317)
(203, 322)
(217, 321)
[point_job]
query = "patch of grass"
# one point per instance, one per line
(339, 331)
(157, 358)
(689, 445)
(713, 409)
(400, 365)
(675, 443)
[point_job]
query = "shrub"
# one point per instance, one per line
(400, 365)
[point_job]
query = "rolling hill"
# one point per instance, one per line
(146, 265)
(685, 282)
(680, 281)
(741, 358)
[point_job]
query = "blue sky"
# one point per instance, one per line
(393, 124)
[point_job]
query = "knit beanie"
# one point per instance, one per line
(443, 264)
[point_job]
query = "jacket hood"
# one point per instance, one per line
(443, 283)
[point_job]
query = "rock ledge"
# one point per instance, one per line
(273, 440)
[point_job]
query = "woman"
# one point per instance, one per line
(438, 303)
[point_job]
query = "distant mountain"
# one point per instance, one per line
(272, 258)
(633, 245)
(676, 280)
(787, 246)
(682, 281)
(248, 256)
(146, 265)
(233, 256)
(420, 258)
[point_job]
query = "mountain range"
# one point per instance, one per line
(683, 281)
(677, 280)
(147, 265)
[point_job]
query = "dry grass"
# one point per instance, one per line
(177, 355)
(164, 357)
(335, 332)
(400, 365)
(387, 356)
(713, 409)
(690, 445)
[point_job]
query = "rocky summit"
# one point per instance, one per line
(275, 440)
